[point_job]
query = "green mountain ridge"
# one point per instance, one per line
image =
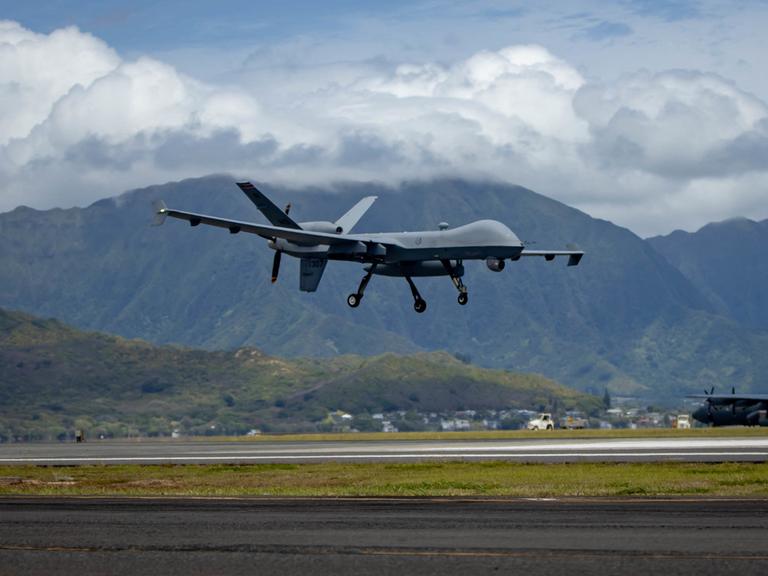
(726, 261)
(625, 318)
(55, 379)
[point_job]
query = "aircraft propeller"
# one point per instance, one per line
(709, 401)
(278, 254)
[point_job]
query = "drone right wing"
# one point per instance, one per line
(574, 256)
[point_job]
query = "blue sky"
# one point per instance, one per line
(653, 33)
(650, 113)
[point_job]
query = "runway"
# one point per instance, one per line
(382, 536)
(540, 449)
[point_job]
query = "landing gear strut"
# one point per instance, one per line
(419, 304)
(456, 279)
(354, 299)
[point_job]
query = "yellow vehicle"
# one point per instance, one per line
(575, 423)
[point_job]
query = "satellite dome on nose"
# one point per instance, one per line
(443, 226)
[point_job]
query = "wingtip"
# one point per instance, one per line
(161, 212)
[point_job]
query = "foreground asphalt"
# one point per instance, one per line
(538, 448)
(382, 536)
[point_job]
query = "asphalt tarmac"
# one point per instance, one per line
(536, 449)
(66, 536)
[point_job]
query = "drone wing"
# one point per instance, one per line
(297, 236)
(574, 256)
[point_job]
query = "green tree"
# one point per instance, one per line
(606, 399)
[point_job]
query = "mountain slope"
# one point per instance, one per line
(726, 261)
(54, 379)
(104, 268)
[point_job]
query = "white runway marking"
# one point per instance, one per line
(445, 455)
(695, 449)
(570, 447)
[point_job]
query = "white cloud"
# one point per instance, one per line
(37, 70)
(651, 151)
(672, 120)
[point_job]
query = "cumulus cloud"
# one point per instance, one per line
(649, 151)
(669, 122)
(37, 70)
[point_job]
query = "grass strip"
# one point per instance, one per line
(491, 478)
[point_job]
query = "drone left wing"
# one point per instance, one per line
(234, 226)
(574, 256)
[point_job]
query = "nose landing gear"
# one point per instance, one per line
(456, 279)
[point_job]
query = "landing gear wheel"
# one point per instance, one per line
(419, 305)
(463, 298)
(354, 300)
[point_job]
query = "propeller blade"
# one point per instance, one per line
(288, 208)
(276, 265)
(712, 391)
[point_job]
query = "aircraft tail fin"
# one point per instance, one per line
(310, 273)
(274, 214)
(353, 215)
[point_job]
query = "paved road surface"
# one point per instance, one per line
(382, 536)
(536, 449)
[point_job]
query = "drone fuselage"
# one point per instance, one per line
(474, 241)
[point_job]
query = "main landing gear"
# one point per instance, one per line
(419, 304)
(354, 299)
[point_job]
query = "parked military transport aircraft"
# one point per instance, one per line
(732, 409)
(404, 254)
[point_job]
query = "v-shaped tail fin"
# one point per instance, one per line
(353, 215)
(274, 214)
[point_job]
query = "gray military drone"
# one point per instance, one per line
(403, 254)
